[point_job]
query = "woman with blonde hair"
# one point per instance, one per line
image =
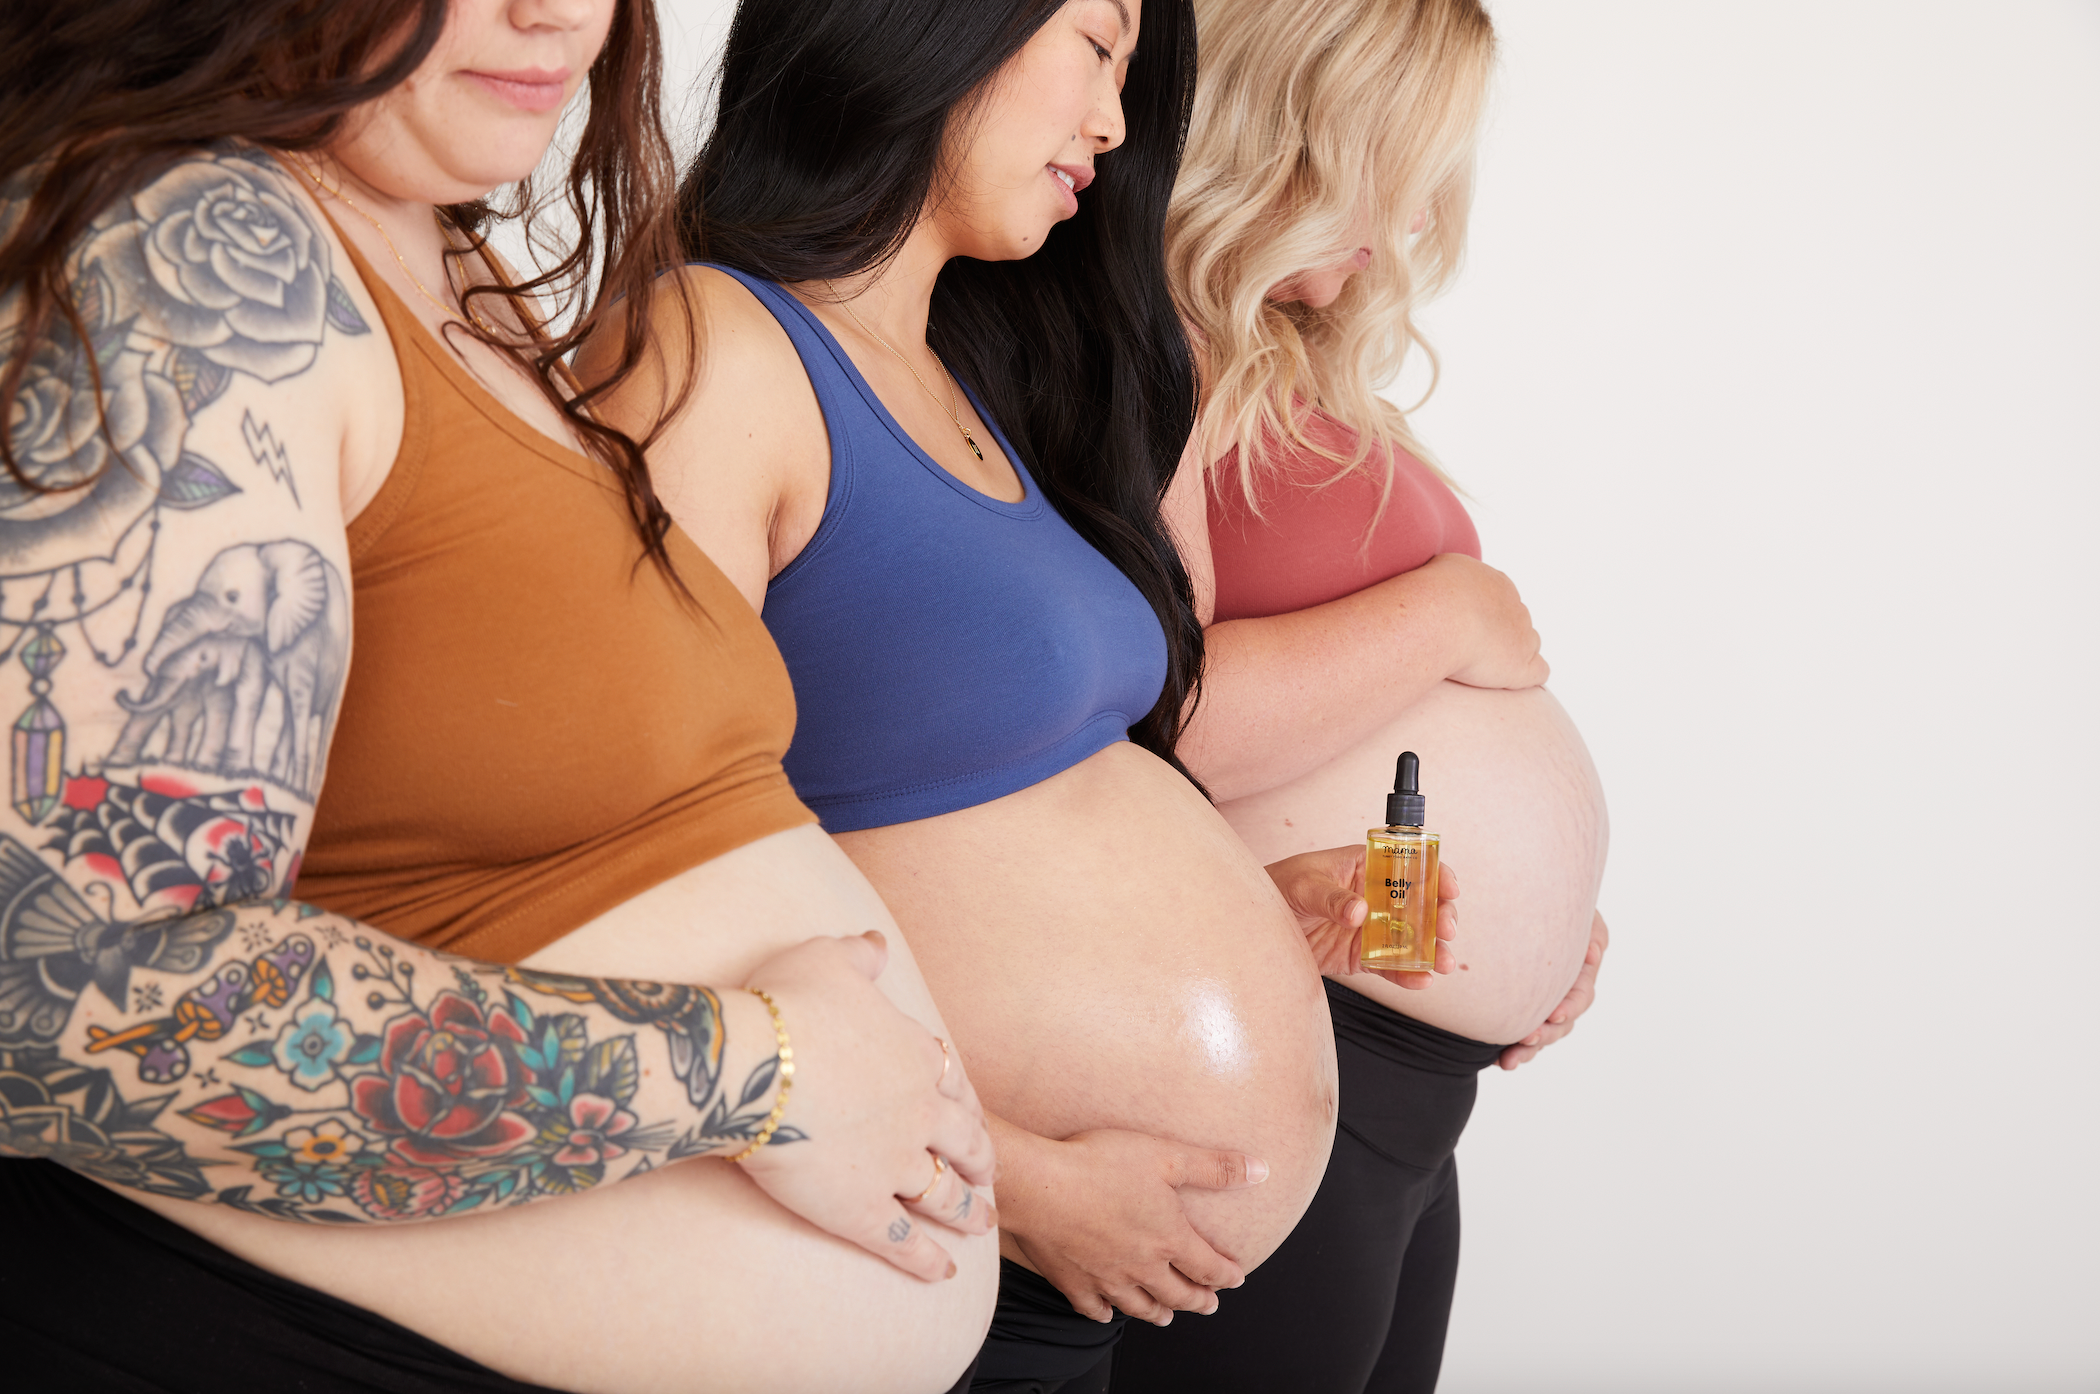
(1348, 617)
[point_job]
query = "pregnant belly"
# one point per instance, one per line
(1108, 955)
(688, 1279)
(1512, 792)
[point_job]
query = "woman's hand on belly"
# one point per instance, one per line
(1502, 649)
(1099, 1214)
(1286, 694)
(872, 1158)
(1320, 889)
(1581, 997)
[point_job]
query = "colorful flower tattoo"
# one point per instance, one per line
(458, 1102)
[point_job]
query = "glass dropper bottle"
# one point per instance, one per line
(1399, 935)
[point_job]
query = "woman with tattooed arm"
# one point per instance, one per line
(266, 397)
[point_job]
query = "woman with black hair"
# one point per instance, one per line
(294, 483)
(944, 394)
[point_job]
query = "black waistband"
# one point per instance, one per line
(1403, 1040)
(1036, 1335)
(101, 1293)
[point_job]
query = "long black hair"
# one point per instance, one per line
(828, 142)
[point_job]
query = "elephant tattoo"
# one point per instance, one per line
(267, 631)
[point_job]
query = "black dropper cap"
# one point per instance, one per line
(1404, 807)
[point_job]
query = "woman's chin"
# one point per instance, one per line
(449, 167)
(1017, 240)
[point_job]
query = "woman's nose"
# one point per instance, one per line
(1103, 127)
(556, 14)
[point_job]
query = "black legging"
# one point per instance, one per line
(98, 1293)
(1038, 1344)
(1357, 1298)
(101, 1293)
(1094, 1381)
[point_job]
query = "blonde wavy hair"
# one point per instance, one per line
(1311, 114)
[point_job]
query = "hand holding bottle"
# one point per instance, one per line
(1325, 891)
(1446, 931)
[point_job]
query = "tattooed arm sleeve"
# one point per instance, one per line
(175, 632)
(289, 1062)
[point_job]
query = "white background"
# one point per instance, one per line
(1774, 377)
(1775, 373)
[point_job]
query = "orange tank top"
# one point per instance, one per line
(536, 727)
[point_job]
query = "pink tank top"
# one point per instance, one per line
(1307, 547)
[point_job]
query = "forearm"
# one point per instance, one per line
(1284, 695)
(284, 1060)
(1023, 1184)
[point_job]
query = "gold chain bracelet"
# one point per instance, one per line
(787, 1078)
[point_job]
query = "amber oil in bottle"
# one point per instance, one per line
(1399, 934)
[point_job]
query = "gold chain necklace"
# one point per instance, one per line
(947, 406)
(464, 312)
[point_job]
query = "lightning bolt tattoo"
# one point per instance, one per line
(268, 452)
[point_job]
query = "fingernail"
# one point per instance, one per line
(991, 1216)
(1257, 1171)
(951, 1268)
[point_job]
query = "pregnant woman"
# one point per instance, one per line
(447, 1121)
(944, 391)
(1324, 194)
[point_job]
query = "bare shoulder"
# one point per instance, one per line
(746, 459)
(219, 256)
(220, 318)
(743, 347)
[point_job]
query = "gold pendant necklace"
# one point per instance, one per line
(947, 406)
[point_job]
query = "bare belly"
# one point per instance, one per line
(1109, 956)
(1511, 789)
(688, 1279)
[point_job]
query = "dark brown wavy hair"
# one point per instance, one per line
(99, 96)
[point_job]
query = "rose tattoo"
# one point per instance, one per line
(222, 261)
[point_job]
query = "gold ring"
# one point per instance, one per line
(946, 1061)
(940, 1169)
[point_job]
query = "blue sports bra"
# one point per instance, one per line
(947, 648)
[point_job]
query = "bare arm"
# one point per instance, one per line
(169, 1019)
(1285, 694)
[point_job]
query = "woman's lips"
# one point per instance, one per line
(1070, 179)
(528, 89)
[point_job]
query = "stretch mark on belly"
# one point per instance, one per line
(1208, 1017)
